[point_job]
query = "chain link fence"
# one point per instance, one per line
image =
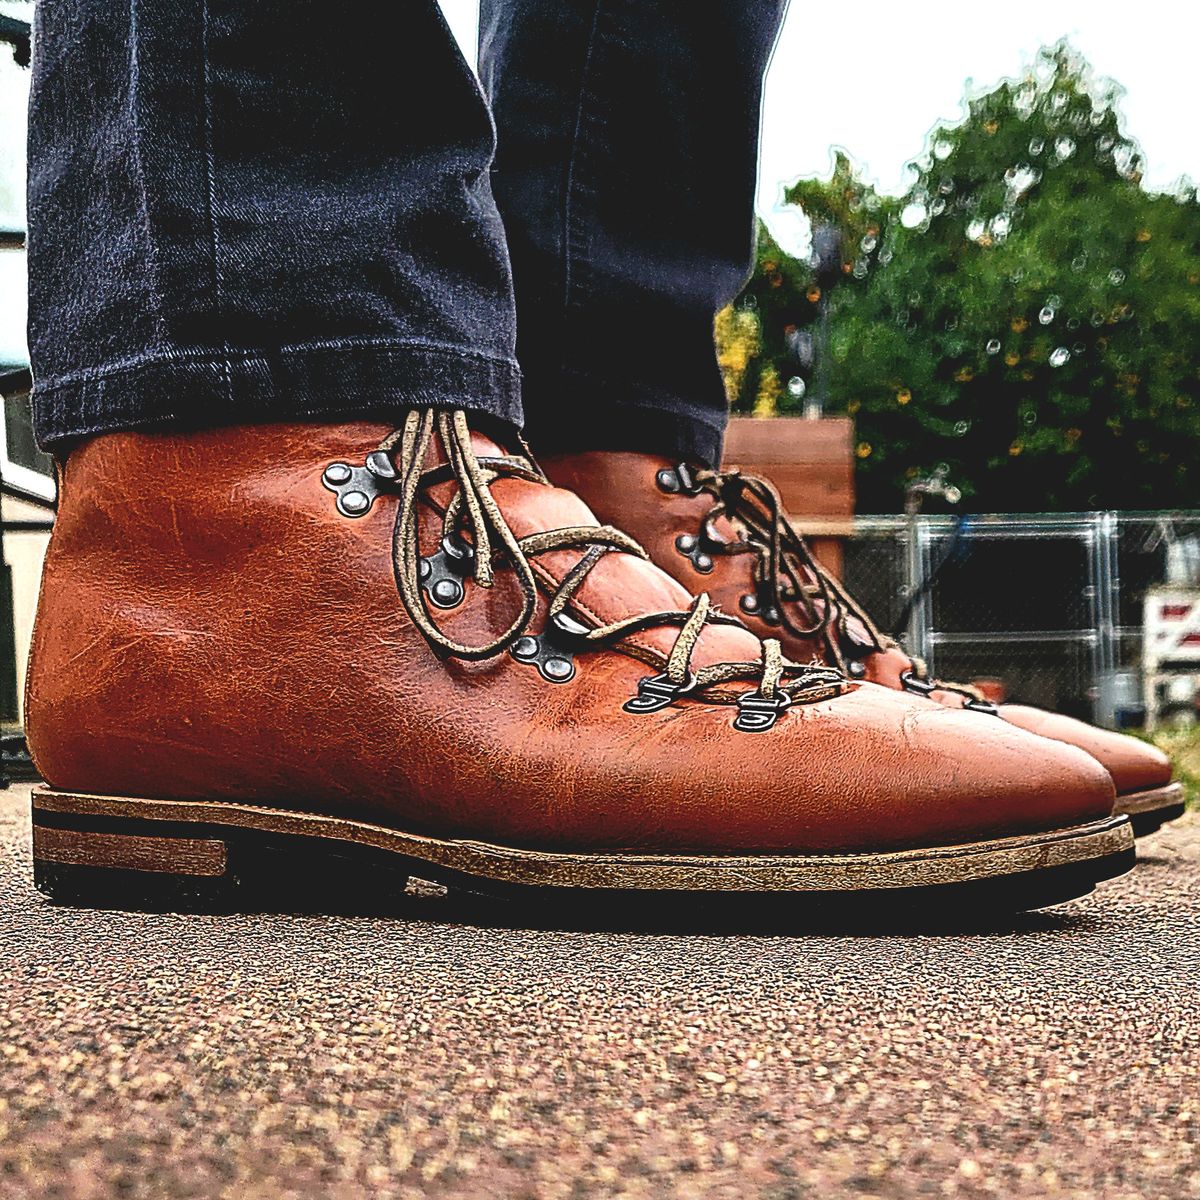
(1092, 614)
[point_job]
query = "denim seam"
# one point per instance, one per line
(570, 225)
(210, 170)
(143, 193)
(203, 357)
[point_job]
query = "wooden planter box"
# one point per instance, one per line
(812, 465)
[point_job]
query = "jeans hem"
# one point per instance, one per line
(296, 383)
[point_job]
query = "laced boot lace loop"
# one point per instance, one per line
(787, 575)
(472, 510)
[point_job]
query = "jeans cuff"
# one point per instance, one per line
(351, 380)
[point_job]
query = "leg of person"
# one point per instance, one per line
(259, 212)
(625, 177)
(298, 601)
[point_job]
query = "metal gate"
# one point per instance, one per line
(1050, 605)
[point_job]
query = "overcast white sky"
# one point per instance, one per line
(870, 77)
(875, 78)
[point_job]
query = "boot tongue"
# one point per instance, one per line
(484, 447)
(619, 586)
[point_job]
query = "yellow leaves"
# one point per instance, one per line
(1143, 235)
(1019, 325)
(1015, 449)
(813, 294)
(991, 127)
(853, 406)
(738, 335)
(1012, 358)
(903, 397)
(766, 403)
(863, 450)
(964, 375)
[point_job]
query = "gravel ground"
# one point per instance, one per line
(462, 1048)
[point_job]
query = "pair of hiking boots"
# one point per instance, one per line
(262, 649)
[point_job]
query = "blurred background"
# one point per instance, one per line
(973, 325)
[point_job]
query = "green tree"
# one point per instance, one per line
(782, 296)
(1027, 314)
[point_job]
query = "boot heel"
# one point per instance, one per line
(84, 858)
(112, 867)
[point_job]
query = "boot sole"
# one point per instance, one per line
(1153, 808)
(110, 851)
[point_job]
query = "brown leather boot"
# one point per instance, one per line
(339, 636)
(727, 533)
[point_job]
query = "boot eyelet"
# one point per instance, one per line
(676, 479)
(447, 593)
(525, 649)
(856, 669)
(749, 604)
(442, 574)
(657, 691)
(357, 487)
(920, 687)
(380, 464)
(758, 713)
(553, 650)
(558, 669)
(696, 551)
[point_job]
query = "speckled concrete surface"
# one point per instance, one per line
(437, 1052)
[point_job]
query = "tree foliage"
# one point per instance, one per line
(1027, 314)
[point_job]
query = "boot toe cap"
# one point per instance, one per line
(1134, 766)
(930, 775)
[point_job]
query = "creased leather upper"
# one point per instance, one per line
(211, 627)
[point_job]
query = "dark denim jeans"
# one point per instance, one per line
(246, 212)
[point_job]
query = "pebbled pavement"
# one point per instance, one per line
(462, 1048)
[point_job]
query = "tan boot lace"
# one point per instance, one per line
(791, 578)
(788, 579)
(473, 511)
